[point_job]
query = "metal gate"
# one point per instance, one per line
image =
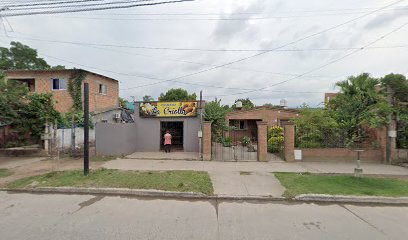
(235, 145)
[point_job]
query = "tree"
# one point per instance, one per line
(215, 112)
(316, 128)
(269, 105)
(177, 94)
(28, 113)
(122, 102)
(397, 84)
(358, 105)
(21, 56)
(148, 98)
(246, 104)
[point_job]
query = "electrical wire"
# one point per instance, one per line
(272, 50)
(96, 8)
(322, 66)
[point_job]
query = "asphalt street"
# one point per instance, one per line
(54, 216)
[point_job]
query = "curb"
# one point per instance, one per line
(304, 198)
(351, 199)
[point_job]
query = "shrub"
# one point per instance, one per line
(275, 139)
(246, 141)
(227, 142)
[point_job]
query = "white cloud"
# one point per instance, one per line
(249, 34)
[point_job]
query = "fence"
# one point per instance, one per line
(64, 137)
(317, 138)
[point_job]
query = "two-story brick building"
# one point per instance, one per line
(103, 91)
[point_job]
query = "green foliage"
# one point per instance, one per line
(246, 141)
(181, 181)
(177, 94)
(304, 183)
(39, 111)
(11, 95)
(215, 112)
(21, 56)
(269, 105)
(398, 84)
(246, 104)
(73, 118)
(27, 113)
(315, 128)
(227, 141)
(75, 88)
(148, 98)
(275, 139)
(359, 104)
(123, 102)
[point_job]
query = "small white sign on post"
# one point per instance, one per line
(392, 134)
(298, 155)
(200, 134)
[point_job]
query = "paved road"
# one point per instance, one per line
(27, 216)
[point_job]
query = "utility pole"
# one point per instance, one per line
(200, 133)
(391, 128)
(86, 129)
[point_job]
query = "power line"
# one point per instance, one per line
(213, 19)
(203, 49)
(5, 14)
(280, 47)
(244, 13)
(75, 4)
(45, 3)
(322, 66)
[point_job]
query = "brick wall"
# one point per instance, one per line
(43, 84)
(339, 154)
(206, 141)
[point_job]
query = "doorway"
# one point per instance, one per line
(176, 131)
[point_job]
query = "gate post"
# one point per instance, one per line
(289, 135)
(262, 141)
(207, 141)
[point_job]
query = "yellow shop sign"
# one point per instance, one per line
(168, 109)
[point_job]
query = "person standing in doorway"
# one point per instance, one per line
(167, 141)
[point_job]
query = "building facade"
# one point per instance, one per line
(181, 119)
(244, 122)
(103, 91)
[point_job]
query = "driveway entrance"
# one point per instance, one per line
(176, 131)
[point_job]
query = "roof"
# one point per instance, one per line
(57, 70)
(274, 108)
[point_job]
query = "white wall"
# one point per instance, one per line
(64, 137)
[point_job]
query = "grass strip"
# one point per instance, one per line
(181, 181)
(305, 183)
(5, 173)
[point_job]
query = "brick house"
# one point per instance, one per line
(245, 124)
(103, 91)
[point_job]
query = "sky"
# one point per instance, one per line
(314, 34)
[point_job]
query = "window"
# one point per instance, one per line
(242, 125)
(59, 84)
(103, 89)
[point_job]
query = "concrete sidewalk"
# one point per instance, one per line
(312, 167)
(250, 178)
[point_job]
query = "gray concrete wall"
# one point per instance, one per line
(116, 138)
(64, 137)
(148, 131)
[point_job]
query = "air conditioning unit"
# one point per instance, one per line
(116, 115)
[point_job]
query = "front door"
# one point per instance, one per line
(176, 131)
